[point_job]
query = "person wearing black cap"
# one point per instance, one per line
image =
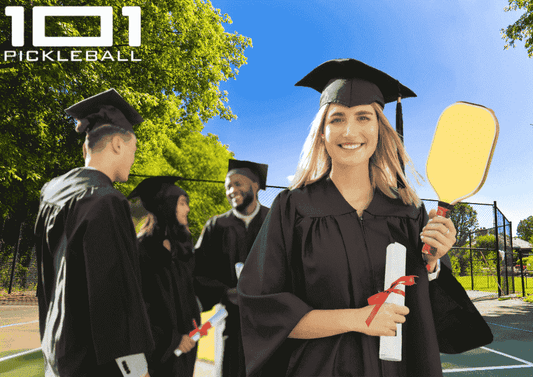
(166, 253)
(92, 318)
(225, 241)
(321, 251)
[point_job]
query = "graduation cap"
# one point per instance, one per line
(256, 172)
(154, 191)
(105, 108)
(350, 82)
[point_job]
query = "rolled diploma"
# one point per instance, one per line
(219, 316)
(238, 269)
(390, 347)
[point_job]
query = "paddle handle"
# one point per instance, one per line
(444, 211)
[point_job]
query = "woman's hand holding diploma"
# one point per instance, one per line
(386, 319)
(324, 323)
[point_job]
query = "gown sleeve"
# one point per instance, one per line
(459, 325)
(208, 283)
(268, 308)
(117, 314)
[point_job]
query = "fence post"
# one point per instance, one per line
(522, 271)
(512, 254)
(15, 258)
(506, 256)
(471, 263)
(497, 249)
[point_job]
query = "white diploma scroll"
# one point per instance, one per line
(390, 347)
(238, 269)
(214, 321)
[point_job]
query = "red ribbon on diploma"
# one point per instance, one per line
(379, 298)
(202, 330)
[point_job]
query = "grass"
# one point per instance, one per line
(488, 283)
(29, 365)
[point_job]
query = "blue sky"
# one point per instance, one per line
(444, 51)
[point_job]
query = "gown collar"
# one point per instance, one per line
(325, 199)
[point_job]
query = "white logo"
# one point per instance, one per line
(106, 26)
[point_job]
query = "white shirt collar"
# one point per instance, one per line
(247, 218)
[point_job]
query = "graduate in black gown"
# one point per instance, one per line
(225, 241)
(167, 265)
(321, 251)
(92, 317)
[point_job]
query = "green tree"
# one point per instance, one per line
(488, 242)
(172, 79)
(524, 230)
(522, 29)
(185, 54)
(528, 263)
(197, 159)
(464, 218)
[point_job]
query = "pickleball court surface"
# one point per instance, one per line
(510, 354)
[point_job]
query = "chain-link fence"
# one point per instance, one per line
(479, 262)
(18, 262)
(484, 258)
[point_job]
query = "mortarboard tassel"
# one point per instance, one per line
(399, 130)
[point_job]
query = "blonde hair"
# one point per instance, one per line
(384, 165)
(147, 228)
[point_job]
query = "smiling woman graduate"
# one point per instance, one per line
(321, 251)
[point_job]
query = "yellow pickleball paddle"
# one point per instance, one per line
(460, 154)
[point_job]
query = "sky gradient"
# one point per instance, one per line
(444, 51)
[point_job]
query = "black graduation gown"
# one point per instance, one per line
(224, 241)
(314, 252)
(90, 301)
(169, 295)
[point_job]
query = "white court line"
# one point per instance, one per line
(19, 354)
(527, 364)
(18, 324)
(485, 368)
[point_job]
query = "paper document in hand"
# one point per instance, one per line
(197, 333)
(390, 347)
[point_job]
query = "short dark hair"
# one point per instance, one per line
(98, 135)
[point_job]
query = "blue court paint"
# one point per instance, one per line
(509, 327)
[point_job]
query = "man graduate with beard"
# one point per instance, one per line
(92, 317)
(226, 240)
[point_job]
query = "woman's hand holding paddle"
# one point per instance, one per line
(440, 233)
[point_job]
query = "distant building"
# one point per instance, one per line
(524, 245)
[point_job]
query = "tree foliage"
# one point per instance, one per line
(172, 79)
(466, 260)
(464, 218)
(197, 159)
(185, 53)
(522, 29)
(524, 230)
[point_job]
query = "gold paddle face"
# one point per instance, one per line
(461, 151)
